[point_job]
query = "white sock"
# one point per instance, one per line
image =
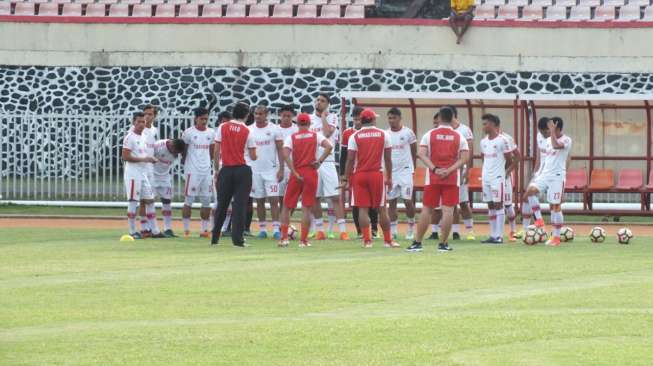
(166, 211)
(411, 225)
(500, 220)
(492, 218)
(186, 221)
(557, 219)
(319, 224)
(455, 228)
(276, 227)
(535, 207)
(131, 216)
(263, 226)
(435, 228)
(205, 225)
(393, 227)
(331, 216)
(150, 212)
(469, 224)
(342, 225)
(526, 214)
(227, 219)
(312, 223)
(511, 217)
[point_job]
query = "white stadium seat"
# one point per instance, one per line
(355, 12)
(306, 11)
(330, 11)
(629, 13)
(580, 13)
(189, 11)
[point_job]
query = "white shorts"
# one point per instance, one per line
(402, 186)
(507, 192)
(265, 185)
(138, 188)
(328, 182)
(464, 193)
(198, 185)
(554, 186)
(493, 190)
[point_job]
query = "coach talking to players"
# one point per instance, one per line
(234, 176)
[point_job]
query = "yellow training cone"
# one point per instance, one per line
(126, 238)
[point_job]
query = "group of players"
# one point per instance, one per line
(295, 160)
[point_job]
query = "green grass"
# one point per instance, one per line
(80, 297)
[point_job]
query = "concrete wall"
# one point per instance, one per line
(430, 47)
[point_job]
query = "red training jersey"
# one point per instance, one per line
(369, 144)
(346, 134)
(444, 145)
(234, 139)
(304, 146)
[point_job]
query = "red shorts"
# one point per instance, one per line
(307, 188)
(445, 195)
(368, 189)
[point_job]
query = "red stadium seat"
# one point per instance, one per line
(189, 11)
(576, 180)
(306, 11)
(142, 11)
(355, 12)
(282, 11)
(119, 10)
(212, 11)
(236, 11)
(601, 179)
(259, 11)
(648, 14)
(475, 184)
(165, 11)
(330, 11)
(629, 13)
(24, 9)
(484, 12)
(96, 10)
(580, 13)
(508, 12)
(566, 3)
(532, 12)
(5, 8)
(604, 13)
(630, 180)
(554, 13)
(49, 9)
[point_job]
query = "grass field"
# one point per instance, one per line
(80, 297)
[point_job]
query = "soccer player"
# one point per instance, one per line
(541, 152)
(137, 184)
(369, 148)
(551, 178)
(223, 117)
(286, 116)
(444, 151)
(267, 170)
(497, 154)
(404, 152)
(326, 124)
(300, 150)
(151, 135)
(197, 169)
(437, 211)
(165, 153)
(511, 166)
(463, 209)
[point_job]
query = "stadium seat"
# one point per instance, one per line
(72, 10)
(518, 2)
(580, 13)
(364, 2)
(24, 9)
(629, 13)
(5, 8)
(648, 14)
(639, 3)
(154, 2)
(605, 13)
(96, 10)
(508, 12)
(282, 11)
(316, 2)
(63, 1)
(419, 178)
(554, 13)
(630, 180)
(271, 2)
(566, 3)
(179, 2)
(258, 11)
(165, 11)
(590, 3)
(495, 2)
(576, 180)
(542, 3)
(236, 11)
(355, 12)
(142, 11)
(189, 11)
(49, 9)
(203, 2)
(532, 12)
(119, 10)
(475, 184)
(306, 11)
(212, 11)
(340, 2)
(601, 179)
(330, 11)
(614, 2)
(484, 12)
(246, 2)
(109, 2)
(294, 2)
(130, 2)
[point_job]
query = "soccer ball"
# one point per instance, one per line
(292, 233)
(566, 234)
(533, 235)
(543, 236)
(597, 235)
(624, 235)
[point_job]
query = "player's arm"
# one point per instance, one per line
(127, 156)
(216, 157)
(555, 143)
(536, 163)
(280, 156)
(212, 151)
(387, 157)
(422, 154)
(349, 165)
(286, 157)
(463, 157)
(328, 147)
(251, 147)
(470, 162)
(513, 162)
(327, 129)
(413, 152)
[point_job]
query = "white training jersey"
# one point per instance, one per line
(402, 157)
(198, 156)
(494, 159)
(465, 131)
(316, 126)
(136, 144)
(265, 139)
(542, 149)
(287, 131)
(555, 161)
(165, 159)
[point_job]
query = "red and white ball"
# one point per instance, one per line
(624, 235)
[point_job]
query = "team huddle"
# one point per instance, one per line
(228, 169)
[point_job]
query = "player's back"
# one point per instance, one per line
(232, 136)
(369, 144)
(198, 157)
(164, 159)
(444, 145)
(304, 145)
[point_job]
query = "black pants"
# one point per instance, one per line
(233, 182)
(374, 219)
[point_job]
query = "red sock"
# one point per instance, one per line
(367, 235)
(387, 236)
(284, 232)
(304, 235)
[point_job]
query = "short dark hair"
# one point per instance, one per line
(137, 115)
(179, 144)
(436, 115)
(287, 108)
(325, 95)
(356, 111)
(150, 106)
(395, 111)
(558, 122)
(224, 115)
(200, 111)
(453, 109)
(446, 114)
(492, 118)
(262, 107)
(240, 110)
(542, 123)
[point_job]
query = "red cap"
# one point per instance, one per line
(303, 118)
(368, 113)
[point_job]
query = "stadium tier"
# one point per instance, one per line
(591, 10)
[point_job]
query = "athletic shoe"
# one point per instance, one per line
(415, 247)
(276, 235)
(539, 223)
(511, 237)
(455, 236)
(493, 241)
(226, 233)
(158, 236)
(434, 236)
(320, 235)
(304, 244)
(262, 235)
(375, 234)
(241, 245)
(169, 233)
(471, 236)
(410, 236)
(136, 236)
(554, 242)
(283, 244)
(344, 236)
(367, 244)
(392, 244)
(444, 247)
(204, 234)
(487, 241)
(186, 234)
(146, 234)
(331, 235)
(519, 234)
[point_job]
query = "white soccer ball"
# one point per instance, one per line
(597, 235)
(542, 235)
(566, 234)
(292, 233)
(531, 236)
(624, 235)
